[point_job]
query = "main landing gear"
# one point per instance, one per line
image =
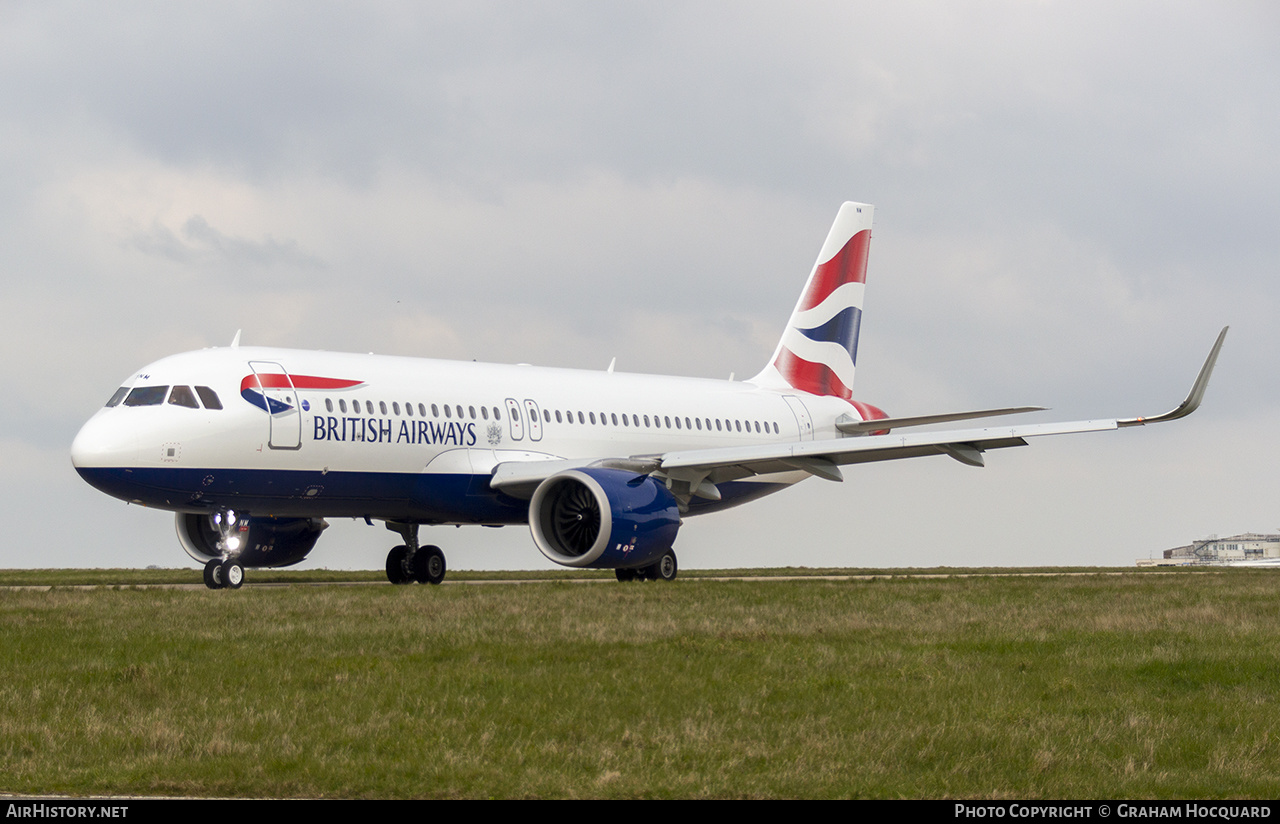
(664, 570)
(226, 572)
(410, 562)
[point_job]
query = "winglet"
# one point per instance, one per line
(235, 342)
(1194, 397)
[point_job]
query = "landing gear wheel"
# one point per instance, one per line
(213, 574)
(665, 569)
(396, 573)
(625, 575)
(232, 575)
(428, 565)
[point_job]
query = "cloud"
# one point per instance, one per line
(199, 243)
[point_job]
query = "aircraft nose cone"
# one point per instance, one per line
(103, 442)
(105, 455)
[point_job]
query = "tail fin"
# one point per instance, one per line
(819, 347)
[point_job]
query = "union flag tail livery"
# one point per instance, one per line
(253, 447)
(819, 347)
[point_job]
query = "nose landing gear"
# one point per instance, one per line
(219, 574)
(226, 571)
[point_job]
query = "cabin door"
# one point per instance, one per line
(271, 389)
(803, 419)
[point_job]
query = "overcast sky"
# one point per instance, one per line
(1071, 199)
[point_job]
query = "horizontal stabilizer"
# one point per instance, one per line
(852, 426)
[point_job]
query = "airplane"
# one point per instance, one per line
(254, 447)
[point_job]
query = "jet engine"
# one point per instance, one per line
(264, 542)
(603, 518)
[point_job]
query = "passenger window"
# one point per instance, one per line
(395, 407)
(435, 412)
(369, 406)
(484, 412)
(342, 405)
(422, 411)
(328, 404)
(146, 396)
(448, 413)
(118, 396)
(470, 409)
(183, 396)
(593, 418)
(382, 405)
(497, 415)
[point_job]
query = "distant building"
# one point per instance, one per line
(1250, 546)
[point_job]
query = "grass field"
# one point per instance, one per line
(1141, 685)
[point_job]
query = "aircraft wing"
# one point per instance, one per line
(822, 458)
(701, 469)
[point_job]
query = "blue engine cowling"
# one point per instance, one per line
(603, 518)
(264, 542)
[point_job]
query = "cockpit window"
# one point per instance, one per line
(208, 397)
(118, 396)
(146, 396)
(182, 396)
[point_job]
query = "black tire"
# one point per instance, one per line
(428, 565)
(232, 575)
(396, 572)
(665, 569)
(213, 574)
(625, 575)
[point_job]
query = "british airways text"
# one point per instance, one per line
(384, 430)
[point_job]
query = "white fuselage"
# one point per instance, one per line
(309, 434)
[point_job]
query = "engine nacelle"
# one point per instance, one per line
(603, 518)
(264, 542)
